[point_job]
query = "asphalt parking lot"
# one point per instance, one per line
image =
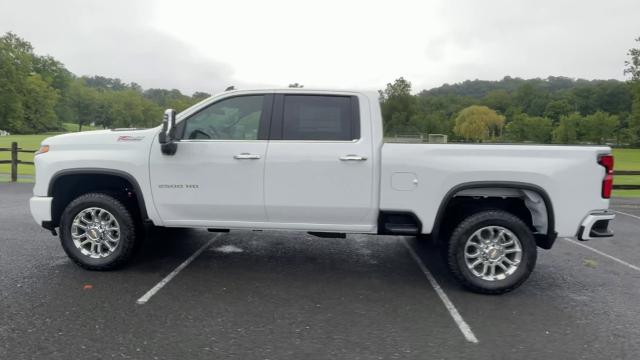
(278, 295)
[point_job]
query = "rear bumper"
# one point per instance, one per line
(596, 225)
(40, 207)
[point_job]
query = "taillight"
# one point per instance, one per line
(607, 183)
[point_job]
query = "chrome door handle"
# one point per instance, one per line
(352, 157)
(244, 156)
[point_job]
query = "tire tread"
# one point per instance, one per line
(469, 222)
(128, 246)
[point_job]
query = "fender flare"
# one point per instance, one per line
(98, 171)
(544, 241)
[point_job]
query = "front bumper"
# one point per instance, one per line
(40, 207)
(596, 225)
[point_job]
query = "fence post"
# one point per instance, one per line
(14, 161)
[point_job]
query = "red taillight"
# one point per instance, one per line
(607, 183)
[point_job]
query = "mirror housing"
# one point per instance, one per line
(166, 138)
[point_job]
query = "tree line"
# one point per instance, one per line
(38, 94)
(552, 110)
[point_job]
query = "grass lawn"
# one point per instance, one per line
(28, 142)
(626, 159)
(69, 127)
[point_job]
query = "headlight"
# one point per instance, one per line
(43, 149)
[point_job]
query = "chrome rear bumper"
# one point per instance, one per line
(596, 225)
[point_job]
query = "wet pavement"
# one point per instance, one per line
(281, 295)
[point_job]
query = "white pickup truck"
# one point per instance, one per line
(316, 161)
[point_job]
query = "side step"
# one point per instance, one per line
(330, 235)
(401, 229)
(398, 223)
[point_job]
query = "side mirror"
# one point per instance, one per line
(166, 138)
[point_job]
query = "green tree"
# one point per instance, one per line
(15, 67)
(84, 102)
(58, 78)
(199, 96)
(529, 128)
(567, 130)
(531, 99)
(500, 100)
(585, 99)
(478, 123)
(399, 108)
(166, 99)
(634, 117)
(39, 103)
(556, 109)
(632, 66)
(599, 127)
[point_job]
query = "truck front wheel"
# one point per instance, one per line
(97, 232)
(492, 252)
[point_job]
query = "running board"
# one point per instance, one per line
(329, 235)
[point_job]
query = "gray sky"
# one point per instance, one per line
(207, 45)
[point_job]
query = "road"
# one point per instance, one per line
(279, 295)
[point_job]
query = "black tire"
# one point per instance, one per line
(126, 245)
(467, 227)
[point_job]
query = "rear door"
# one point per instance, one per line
(319, 169)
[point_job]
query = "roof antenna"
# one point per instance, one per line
(230, 88)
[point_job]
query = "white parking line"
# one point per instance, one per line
(462, 325)
(624, 213)
(604, 254)
(143, 300)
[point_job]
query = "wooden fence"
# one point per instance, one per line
(14, 149)
(626, 186)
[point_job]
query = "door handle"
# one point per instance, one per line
(246, 156)
(352, 157)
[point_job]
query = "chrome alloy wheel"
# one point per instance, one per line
(493, 253)
(95, 232)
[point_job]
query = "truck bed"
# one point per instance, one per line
(416, 177)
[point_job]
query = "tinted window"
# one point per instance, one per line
(312, 117)
(237, 118)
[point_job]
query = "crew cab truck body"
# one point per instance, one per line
(316, 161)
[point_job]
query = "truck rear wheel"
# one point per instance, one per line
(98, 232)
(492, 252)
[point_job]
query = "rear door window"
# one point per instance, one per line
(320, 117)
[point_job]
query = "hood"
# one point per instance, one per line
(101, 137)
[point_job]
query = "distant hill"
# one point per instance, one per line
(480, 88)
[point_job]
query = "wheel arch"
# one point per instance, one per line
(544, 240)
(114, 180)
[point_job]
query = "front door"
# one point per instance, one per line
(216, 177)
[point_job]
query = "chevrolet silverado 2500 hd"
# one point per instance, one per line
(315, 161)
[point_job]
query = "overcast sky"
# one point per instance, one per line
(207, 45)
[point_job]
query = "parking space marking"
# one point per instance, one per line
(143, 300)
(462, 325)
(604, 254)
(627, 214)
